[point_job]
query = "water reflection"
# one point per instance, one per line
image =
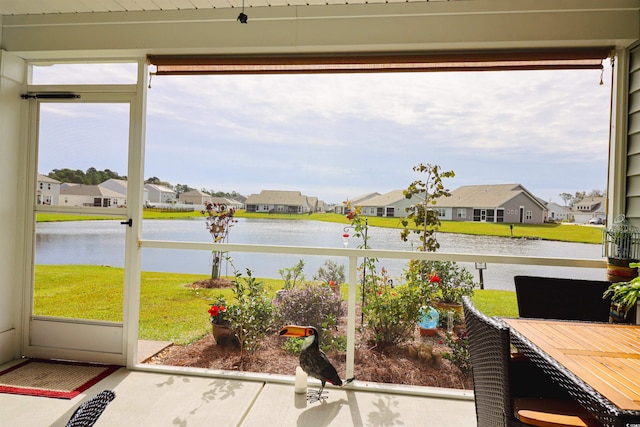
(101, 243)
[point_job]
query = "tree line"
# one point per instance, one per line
(92, 176)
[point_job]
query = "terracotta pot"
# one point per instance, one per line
(428, 332)
(619, 271)
(223, 335)
(449, 306)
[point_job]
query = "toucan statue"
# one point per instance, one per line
(313, 360)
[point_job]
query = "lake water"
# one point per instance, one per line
(102, 243)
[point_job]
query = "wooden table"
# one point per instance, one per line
(598, 363)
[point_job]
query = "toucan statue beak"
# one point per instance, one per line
(294, 331)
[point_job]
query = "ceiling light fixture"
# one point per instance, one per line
(242, 17)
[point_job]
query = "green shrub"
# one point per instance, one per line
(459, 354)
(292, 276)
(251, 314)
(329, 272)
(391, 312)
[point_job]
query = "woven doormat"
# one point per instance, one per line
(48, 378)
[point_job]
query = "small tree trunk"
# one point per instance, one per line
(215, 267)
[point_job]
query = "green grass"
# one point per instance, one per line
(496, 303)
(170, 309)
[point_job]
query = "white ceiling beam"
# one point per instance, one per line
(338, 28)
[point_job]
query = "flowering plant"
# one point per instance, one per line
(447, 281)
(391, 312)
(218, 312)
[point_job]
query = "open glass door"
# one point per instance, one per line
(82, 224)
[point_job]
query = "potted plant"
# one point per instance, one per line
(451, 282)
(624, 295)
(621, 246)
(220, 325)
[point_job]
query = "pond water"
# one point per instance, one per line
(102, 243)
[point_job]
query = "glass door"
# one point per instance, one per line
(82, 221)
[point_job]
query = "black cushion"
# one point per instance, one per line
(564, 299)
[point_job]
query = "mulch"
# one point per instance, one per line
(401, 364)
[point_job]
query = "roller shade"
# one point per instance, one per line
(472, 61)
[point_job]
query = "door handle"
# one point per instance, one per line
(129, 222)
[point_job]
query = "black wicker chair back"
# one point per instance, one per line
(489, 353)
(88, 413)
(564, 299)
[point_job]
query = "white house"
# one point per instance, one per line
(160, 194)
(356, 201)
(120, 186)
(587, 208)
(91, 195)
(556, 212)
(48, 190)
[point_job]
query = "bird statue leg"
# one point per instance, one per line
(316, 396)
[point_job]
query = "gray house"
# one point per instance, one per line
(275, 201)
(510, 203)
(391, 204)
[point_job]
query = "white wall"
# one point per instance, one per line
(11, 76)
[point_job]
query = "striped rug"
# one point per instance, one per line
(52, 378)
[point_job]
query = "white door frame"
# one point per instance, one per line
(73, 339)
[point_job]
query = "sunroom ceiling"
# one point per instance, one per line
(38, 7)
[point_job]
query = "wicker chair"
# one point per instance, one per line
(88, 413)
(493, 383)
(534, 295)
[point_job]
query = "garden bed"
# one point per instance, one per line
(407, 364)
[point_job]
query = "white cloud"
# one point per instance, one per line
(346, 135)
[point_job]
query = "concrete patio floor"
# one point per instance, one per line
(146, 398)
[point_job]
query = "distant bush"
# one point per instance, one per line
(329, 272)
(292, 276)
(311, 305)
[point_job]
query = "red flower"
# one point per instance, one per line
(434, 279)
(214, 310)
(350, 216)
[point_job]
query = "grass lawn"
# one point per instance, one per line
(170, 309)
(560, 232)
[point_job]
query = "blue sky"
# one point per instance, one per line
(338, 136)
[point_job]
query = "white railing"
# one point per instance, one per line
(353, 254)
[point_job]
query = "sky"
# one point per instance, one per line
(338, 136)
